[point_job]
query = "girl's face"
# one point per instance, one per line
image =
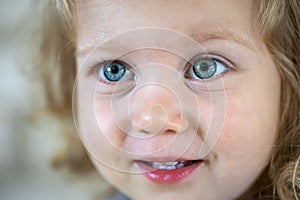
(175, 100)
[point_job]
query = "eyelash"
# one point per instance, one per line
(227, 64)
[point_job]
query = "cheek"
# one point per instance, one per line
(245, 144)
(252, 112)
(108, 123)
(100, 133)
(104, 114)
(95, 119)
(249, 130)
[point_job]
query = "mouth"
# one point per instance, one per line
(169, 165)
(168, 172)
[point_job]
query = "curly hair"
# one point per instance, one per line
(280, 30)
(280, 25)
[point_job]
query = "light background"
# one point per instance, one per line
(26, 148)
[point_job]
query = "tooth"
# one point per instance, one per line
(155, 165)
(180, 165)
(171, 167)
(171, 163)
(159, 165)
(162, 166)
(168, 165)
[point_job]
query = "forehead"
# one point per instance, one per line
(101, 19)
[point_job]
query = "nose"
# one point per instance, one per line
(156, 109)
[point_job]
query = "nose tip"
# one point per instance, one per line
(158, 120)
(156, 108)
(152, 121)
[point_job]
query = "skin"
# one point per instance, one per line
(229, 122)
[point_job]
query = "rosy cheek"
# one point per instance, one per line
(107, 122)
(244, 135)
(103, 113)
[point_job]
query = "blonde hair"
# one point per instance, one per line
(280, 30)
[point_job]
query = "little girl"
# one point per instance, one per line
(180, 99)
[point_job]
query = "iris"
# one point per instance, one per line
(114, 71)
(205, 68)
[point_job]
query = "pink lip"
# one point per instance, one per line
(167, 176)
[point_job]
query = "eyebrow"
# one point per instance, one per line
(228, 35)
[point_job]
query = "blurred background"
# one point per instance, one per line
(26, 147)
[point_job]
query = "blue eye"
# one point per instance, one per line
(205, 68)
(114, 77)
(114, 71)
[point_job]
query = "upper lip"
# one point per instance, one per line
(156, 150)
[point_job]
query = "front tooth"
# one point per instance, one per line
(167, 165)
(171, 163)
(162, 166)
(171, 167)
(159, 165)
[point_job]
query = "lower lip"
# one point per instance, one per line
(168, 176)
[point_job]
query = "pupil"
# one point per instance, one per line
(204, 67)
(114, 69)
